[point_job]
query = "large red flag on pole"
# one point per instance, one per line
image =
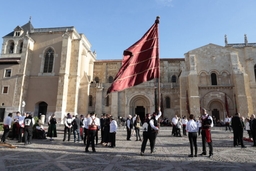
(140, 62)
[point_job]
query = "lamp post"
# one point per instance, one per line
(23, 107)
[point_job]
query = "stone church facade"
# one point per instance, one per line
(45, 70)
(53, 70)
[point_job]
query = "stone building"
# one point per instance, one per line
(219, 79)
(53, 70)
(45, 71)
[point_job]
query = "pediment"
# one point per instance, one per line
(210, 50)
(18, 28)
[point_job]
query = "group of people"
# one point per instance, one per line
(22, 127)
(192, 127)
(86, 129)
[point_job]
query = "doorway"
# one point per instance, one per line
(42, 108)
(2, 111)
(216, 116)
(140, 111)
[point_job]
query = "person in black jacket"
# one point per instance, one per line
(76, 128)
(28, 128)
(238, 129)
(253, 129)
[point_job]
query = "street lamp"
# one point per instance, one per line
(23, 106)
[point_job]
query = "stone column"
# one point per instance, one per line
(114, 104)
(241, 87)
(193, 91)
(62, 93)
(99, 101)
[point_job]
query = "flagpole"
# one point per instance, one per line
(157, 22)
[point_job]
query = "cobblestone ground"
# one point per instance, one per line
(171, 154)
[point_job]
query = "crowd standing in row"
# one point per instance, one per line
(86, 129)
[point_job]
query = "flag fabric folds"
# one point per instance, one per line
(140, 62)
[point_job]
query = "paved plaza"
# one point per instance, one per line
(171, 154)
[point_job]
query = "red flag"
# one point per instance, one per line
(226, 104)
(140, 62)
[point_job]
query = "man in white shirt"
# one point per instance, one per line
(227, 123)
(93, 124)
(21, 126)
(184, 121)
(192, 129)
(174, 123)
(7, 126)
(112, 131)
(207, 123)
(85, 126)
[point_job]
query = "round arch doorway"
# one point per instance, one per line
(216, 109)
(41, 108)
(139, 105)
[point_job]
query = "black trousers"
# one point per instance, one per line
(90, 140)
(151, 136)
(6, 133)
(112, 136)
(20, 132)
(129, 131)
(238, 137)
(204, 142)
(15, 129)
(192, 136)
(137, 131)
(85, 135)
(184, 130)
(253, 133)
(228, 126)
(28, 134)
(67, 129)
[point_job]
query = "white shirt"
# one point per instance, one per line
(247, 126)
(21, 120)
(8, 121)
(151, 122)
(145, 125)
(85, 124)
(199, 124)
(128, 123)
(174, 120)
(184, 121)
(227, 120)
(113, 126)
(158, 115)
(96, 121)
(68, 122)
(205, 116)
(192, 126)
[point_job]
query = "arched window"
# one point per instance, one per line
(11, 48)
(110, 79)
(90, 100)
(255, 71)
(214, 79)
(167, 102)
(48, 60)
(97, 79)
(174, 79)
(107, 101)
(21, 46)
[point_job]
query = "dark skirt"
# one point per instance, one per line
(52, 131)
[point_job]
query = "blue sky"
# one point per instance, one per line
(113, 25)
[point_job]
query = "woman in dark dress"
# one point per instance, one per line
(52, 127)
